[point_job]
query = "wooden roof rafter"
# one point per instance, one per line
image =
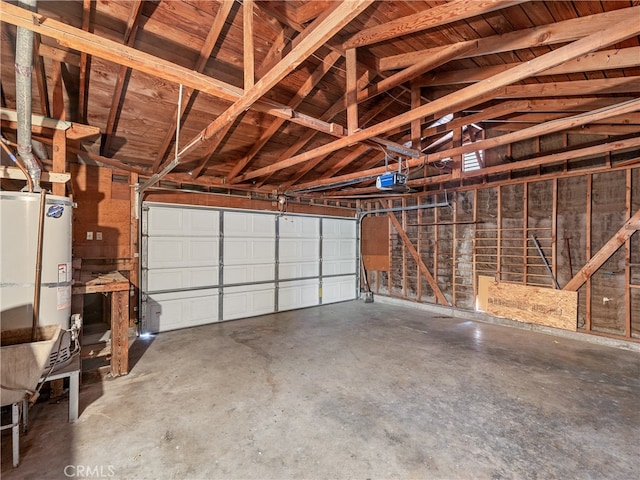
(558, 33)
(118, 90)
(447, 13)
(323, 28)
(203, 56)
(603, 60)
(595, 41)
(537, 130)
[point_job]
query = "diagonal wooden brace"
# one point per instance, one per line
(608, 249)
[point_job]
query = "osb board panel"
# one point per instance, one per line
(541, 306)
(375, 243)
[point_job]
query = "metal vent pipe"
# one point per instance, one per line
(24, 67)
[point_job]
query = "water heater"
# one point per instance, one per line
(19, 224)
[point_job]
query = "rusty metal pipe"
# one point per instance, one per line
(38, 280)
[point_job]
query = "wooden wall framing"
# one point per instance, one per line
(487, 230)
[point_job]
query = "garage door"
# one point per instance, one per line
(202, 265)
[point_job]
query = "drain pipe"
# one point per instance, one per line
(3, 143)
(23, 67)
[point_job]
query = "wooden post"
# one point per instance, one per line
(474, 272)
(554, 228)
(416, 130)
(134, 252)
(119, 333)
(419, 247)
(588, 253)
(499, 236)
(454, 251)
(525, 233)
(404, 250)
(627, 261)
(59, 136)
(352, 91)
(247, 25)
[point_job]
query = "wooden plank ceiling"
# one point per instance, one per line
(306, 97)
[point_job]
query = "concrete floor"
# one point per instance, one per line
(350, 390)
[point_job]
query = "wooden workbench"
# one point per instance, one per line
(117, 286)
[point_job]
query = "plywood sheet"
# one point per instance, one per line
(375, 243)
(537, 305)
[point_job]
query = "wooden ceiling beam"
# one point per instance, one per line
(600, 39)
(59, 55)
(595, 129)
(559, 32)
(347, 159)
(609, 145)
(334, 44)
(336, 108)
(214, 143)
(305, 89)
(541, 129)
(429, 18)
(495, 111)
(77, 39)
(601, 86)
(280, 45)
(427, 63)
(371, 113)
(582, 104)
(605, 60)
(542, 117)
(322, 29)
(310, 10)
(203, 56)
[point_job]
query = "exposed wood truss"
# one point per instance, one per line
(310, 96)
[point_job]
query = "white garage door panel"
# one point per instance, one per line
(245, 251)
(190, 278)
(290, 227)
(338, 267)
(338, 256)
(248, 301)
(338, 289)
(168, 252)
(242, 224)
(248, 273)
(338, 249)
(177, 278)
(169, 311)
(299, 249)
(178, 221)
(336, 228)
(298, 270)
(300, 294)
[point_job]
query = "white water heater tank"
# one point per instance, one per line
(19, 221)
